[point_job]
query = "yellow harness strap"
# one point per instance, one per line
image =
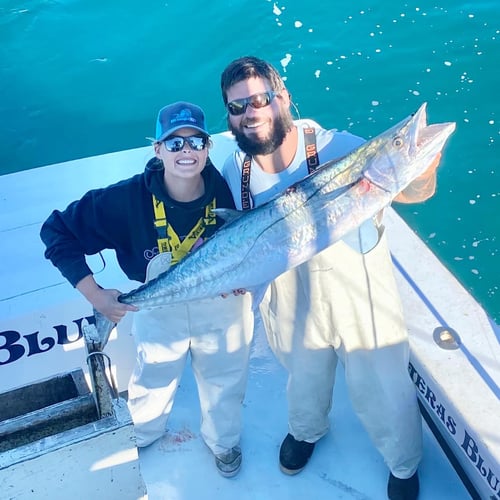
(169, 241)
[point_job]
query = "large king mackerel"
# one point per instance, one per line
(256, 246)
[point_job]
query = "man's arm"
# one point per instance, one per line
(423, 187)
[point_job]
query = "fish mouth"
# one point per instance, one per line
(427, 137)
(410, 148)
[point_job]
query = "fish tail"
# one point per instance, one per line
(104, 326)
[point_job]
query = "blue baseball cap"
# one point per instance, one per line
(179, 115)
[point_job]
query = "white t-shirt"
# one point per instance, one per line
(331, 144)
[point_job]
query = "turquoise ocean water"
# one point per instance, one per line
(81, 78)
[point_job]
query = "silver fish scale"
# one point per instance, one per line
(253, 249)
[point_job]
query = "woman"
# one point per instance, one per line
(152, 220)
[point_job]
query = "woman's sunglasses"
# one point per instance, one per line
(175, 143)
(257, 101)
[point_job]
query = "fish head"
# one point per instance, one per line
(405, 151)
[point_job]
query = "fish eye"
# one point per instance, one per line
(397, 142)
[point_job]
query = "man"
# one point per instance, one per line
(341, 304)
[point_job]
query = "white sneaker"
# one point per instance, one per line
(229, 463)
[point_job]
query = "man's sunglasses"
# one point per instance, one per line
(257, 101)
(175, 143)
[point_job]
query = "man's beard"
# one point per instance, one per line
(281, 126)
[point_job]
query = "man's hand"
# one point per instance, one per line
(423, 187)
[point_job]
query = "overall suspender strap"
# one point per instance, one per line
(168, 239)
(246, 202)
(161, 226)
(312, 160)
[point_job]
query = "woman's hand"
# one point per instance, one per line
(104, 300)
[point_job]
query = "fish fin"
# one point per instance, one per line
(228, 214)
(157, 265)
(257, 295)
(104, 326)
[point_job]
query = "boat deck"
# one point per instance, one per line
(344, 464)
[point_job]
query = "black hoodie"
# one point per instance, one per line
(121, 217)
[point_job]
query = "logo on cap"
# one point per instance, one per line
(184, 115)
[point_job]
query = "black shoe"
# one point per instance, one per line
(294, 454)
(403, 489)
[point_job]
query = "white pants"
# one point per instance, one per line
(343, 304)
(217, 333)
